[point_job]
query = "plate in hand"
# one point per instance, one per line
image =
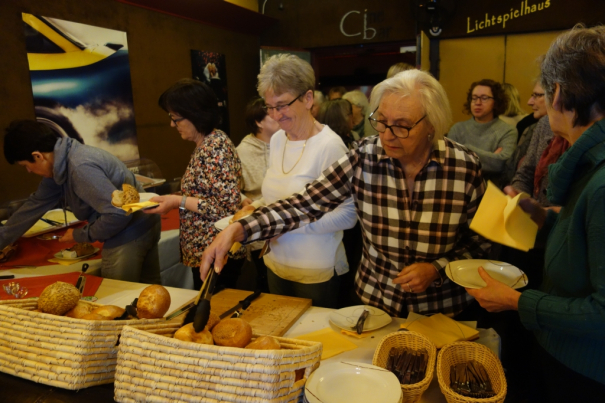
(465, 273)
(346, 318)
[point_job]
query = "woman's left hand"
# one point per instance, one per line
(416, 277)
(167, 203)
(495, 296)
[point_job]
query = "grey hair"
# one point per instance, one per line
(285, 73)
(318, 97)
(432, 97)
(576, 61)
(358, 99)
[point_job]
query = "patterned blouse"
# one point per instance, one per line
(213, 176)
(432, 227)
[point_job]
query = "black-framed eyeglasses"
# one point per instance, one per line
(282, 108)
(483, 98)
(175, 120)
(398, 131)
(536, 95)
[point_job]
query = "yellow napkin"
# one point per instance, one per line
(132, 207)
(363, 335)
(63, 262)
(500, 219)
(441, 330)
(333, 343)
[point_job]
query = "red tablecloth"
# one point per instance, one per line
(35, 285)
(36, 252)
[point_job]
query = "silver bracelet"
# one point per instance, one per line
(183, 201)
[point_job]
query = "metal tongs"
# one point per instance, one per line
(202, 312)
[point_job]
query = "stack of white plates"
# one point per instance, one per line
(352, 382)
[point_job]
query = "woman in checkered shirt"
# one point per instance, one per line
(415, 193)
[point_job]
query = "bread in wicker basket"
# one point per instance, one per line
(413, 341)
(463, 351)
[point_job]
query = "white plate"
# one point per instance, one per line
(42, 227)
(59, 255)
(346, 318)
(465, 273)
(223, 223)
(352, 382)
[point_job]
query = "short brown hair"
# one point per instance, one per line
(576, 61)
(255, 112)
(335, 114)
(500, 99)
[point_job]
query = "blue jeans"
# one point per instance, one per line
(323, 294)
(136, 261)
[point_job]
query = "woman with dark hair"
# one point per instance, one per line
(254, 154)
(489, 137)
(567, 313)
(338, 115)
(210, 185)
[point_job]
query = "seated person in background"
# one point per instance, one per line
(397, 180)
(318, 99)
(253, 153)
(513, 113)
(83, 178)
(338, 115)
(398, 68)
(489, 137)
(336, 92)
(536, 102)
(359, 101)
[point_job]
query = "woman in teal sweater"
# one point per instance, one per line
(567, 315)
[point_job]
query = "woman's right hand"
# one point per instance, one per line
(246, 202)
(530, 206)
(167, 203)
(214, 255)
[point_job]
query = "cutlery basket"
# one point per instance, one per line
(463, 351)
(413, 341)
(64, 352)
(161, 369)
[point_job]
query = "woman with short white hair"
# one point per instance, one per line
(415, 193)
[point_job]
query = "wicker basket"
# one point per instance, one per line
(463, 351)
(64, 352)
(152, 368)
(413, 341)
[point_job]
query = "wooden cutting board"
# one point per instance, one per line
(269, 314)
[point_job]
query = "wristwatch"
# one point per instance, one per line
(183, 200)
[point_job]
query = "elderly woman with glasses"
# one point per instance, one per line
(210, 185)
(567, 314)
(305, 263)
(489, 137)
(415, 193)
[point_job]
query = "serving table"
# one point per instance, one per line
(121, 293)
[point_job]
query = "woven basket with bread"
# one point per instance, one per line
(62, 341)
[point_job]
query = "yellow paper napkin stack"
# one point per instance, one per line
(441, 330)
(132, 207)
(64, 262)
(333, 343)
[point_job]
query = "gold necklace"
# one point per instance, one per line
(284, 156)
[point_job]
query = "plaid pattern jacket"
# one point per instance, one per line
(398, 231)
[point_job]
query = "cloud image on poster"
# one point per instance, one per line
(209, 67)
(80, 76)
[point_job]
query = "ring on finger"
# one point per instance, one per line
(409, 287)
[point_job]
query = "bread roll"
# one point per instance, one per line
(127, 195)
(81, 309)
(110, 312)
(245, 212)
(232, 332)
(94, 316)
(212, 320)
(187, 333)
(153, 303)
(264, 343)
(58, 298)
(81, 249)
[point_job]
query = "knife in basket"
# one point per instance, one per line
(243, 304)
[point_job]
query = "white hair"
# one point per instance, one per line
(284, 73)
(318, 97)
(432, 97)
(358, 99)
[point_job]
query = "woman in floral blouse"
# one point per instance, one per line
(210, 185)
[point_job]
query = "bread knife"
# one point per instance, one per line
(243, 304)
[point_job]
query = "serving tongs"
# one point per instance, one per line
(202, 312)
